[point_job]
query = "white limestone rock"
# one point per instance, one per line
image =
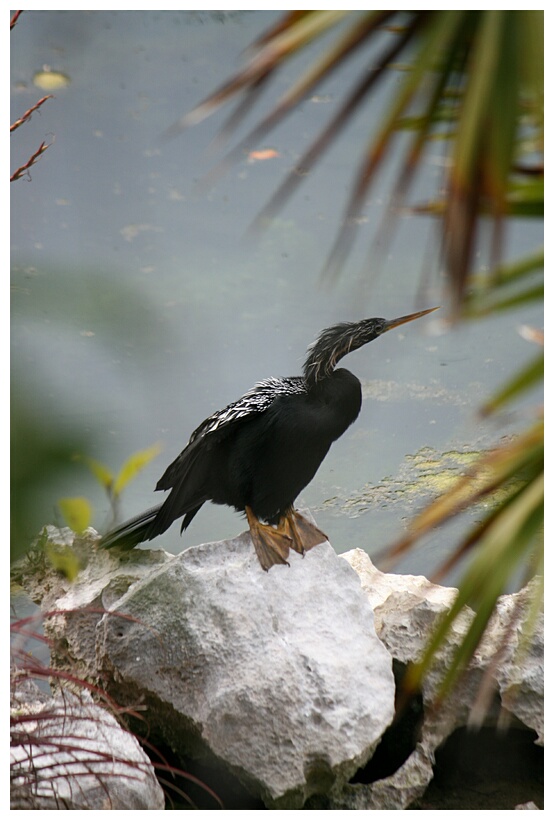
(406, 609)
(68, 753)
(278, 677)
(279, 674)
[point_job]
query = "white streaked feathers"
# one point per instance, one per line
(256, 400)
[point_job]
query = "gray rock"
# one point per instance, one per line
(68, 753)
(280, 674)
(406, 609)
(279, 677)
(519, 662)
(103, 578)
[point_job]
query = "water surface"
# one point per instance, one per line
(139, 308)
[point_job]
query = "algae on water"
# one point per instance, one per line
(420, 478)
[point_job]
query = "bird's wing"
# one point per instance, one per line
(258, 399)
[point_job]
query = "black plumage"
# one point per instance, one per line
(258, 453)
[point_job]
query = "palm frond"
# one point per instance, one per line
(504, 543)
(509, 539)
(477, 77)
(474, 81)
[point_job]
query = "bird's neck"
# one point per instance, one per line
(341, 394)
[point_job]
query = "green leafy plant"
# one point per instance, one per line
(77, 512)
(113, 484)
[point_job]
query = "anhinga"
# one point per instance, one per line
(258, 453)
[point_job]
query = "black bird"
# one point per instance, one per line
(258, 453)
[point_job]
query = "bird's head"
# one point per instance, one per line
(335, 342)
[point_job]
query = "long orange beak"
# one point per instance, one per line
(403, 319)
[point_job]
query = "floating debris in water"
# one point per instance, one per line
(50, 80)
(265, 153)
(531, 334)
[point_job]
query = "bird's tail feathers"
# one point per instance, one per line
(132, 532)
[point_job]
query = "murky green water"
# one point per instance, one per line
(139, 308)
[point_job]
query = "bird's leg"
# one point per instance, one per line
(303, 533)
(271, 544)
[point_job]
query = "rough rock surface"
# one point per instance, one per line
(279, 675)
(406, 609)
(68, 753)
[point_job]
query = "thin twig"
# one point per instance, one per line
(24, 169)
(27, 114)
(15, 18)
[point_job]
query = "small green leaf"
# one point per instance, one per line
(65, 561)
(76, 511)
(523, 297)
(527, 208)
(102, 474)
(134, 465)
(523, 380)
(508, 273)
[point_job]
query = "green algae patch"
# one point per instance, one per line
(420, 478)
